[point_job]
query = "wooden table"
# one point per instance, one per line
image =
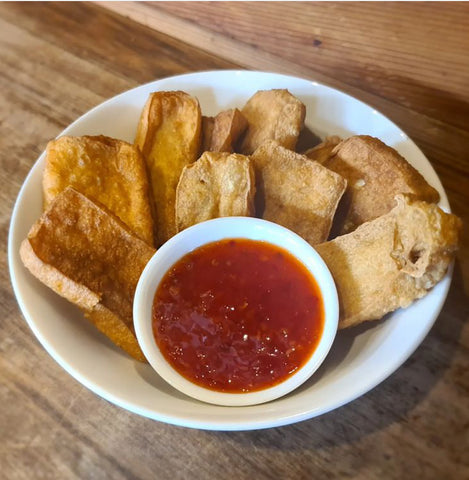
(408, 60)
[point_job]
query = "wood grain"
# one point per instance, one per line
(381, 49)
(60, 59)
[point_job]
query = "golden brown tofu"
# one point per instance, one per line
(207, 132)
(296, 192)
(109, 171)
(375, 173)
(91, 258)
(169, 137)
(219, 184)
(322, 152)
(221, 133)
(272, 115)
(391, 261)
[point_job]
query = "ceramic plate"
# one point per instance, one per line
(360, 358)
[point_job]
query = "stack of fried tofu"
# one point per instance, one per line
(109, 204)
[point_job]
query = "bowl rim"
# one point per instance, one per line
(208, 232)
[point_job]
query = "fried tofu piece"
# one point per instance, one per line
(106, 170)
(169, 137)
(91, 258)
(389, 262)
(296, 192)
(272, 115)
(207, 132)
(221, 133)
(219, 184)
(322, 152)
(375, 173)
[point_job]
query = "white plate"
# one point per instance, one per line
(360, 358)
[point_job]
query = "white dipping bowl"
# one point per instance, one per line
(212, 231)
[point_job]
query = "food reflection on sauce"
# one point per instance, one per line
(238, 315)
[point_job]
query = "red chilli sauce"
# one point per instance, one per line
(238, 315)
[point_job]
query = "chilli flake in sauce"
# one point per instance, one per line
(237, 315)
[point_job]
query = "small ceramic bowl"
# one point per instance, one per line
(212, 231)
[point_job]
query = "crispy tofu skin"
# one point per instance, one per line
(106, 170)
(219, 184)
(272, 115)
(169, 137)
(375, 173)
(322, 152)
(221, 133)
(91, 258)
(391, 261)
(296, 192)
